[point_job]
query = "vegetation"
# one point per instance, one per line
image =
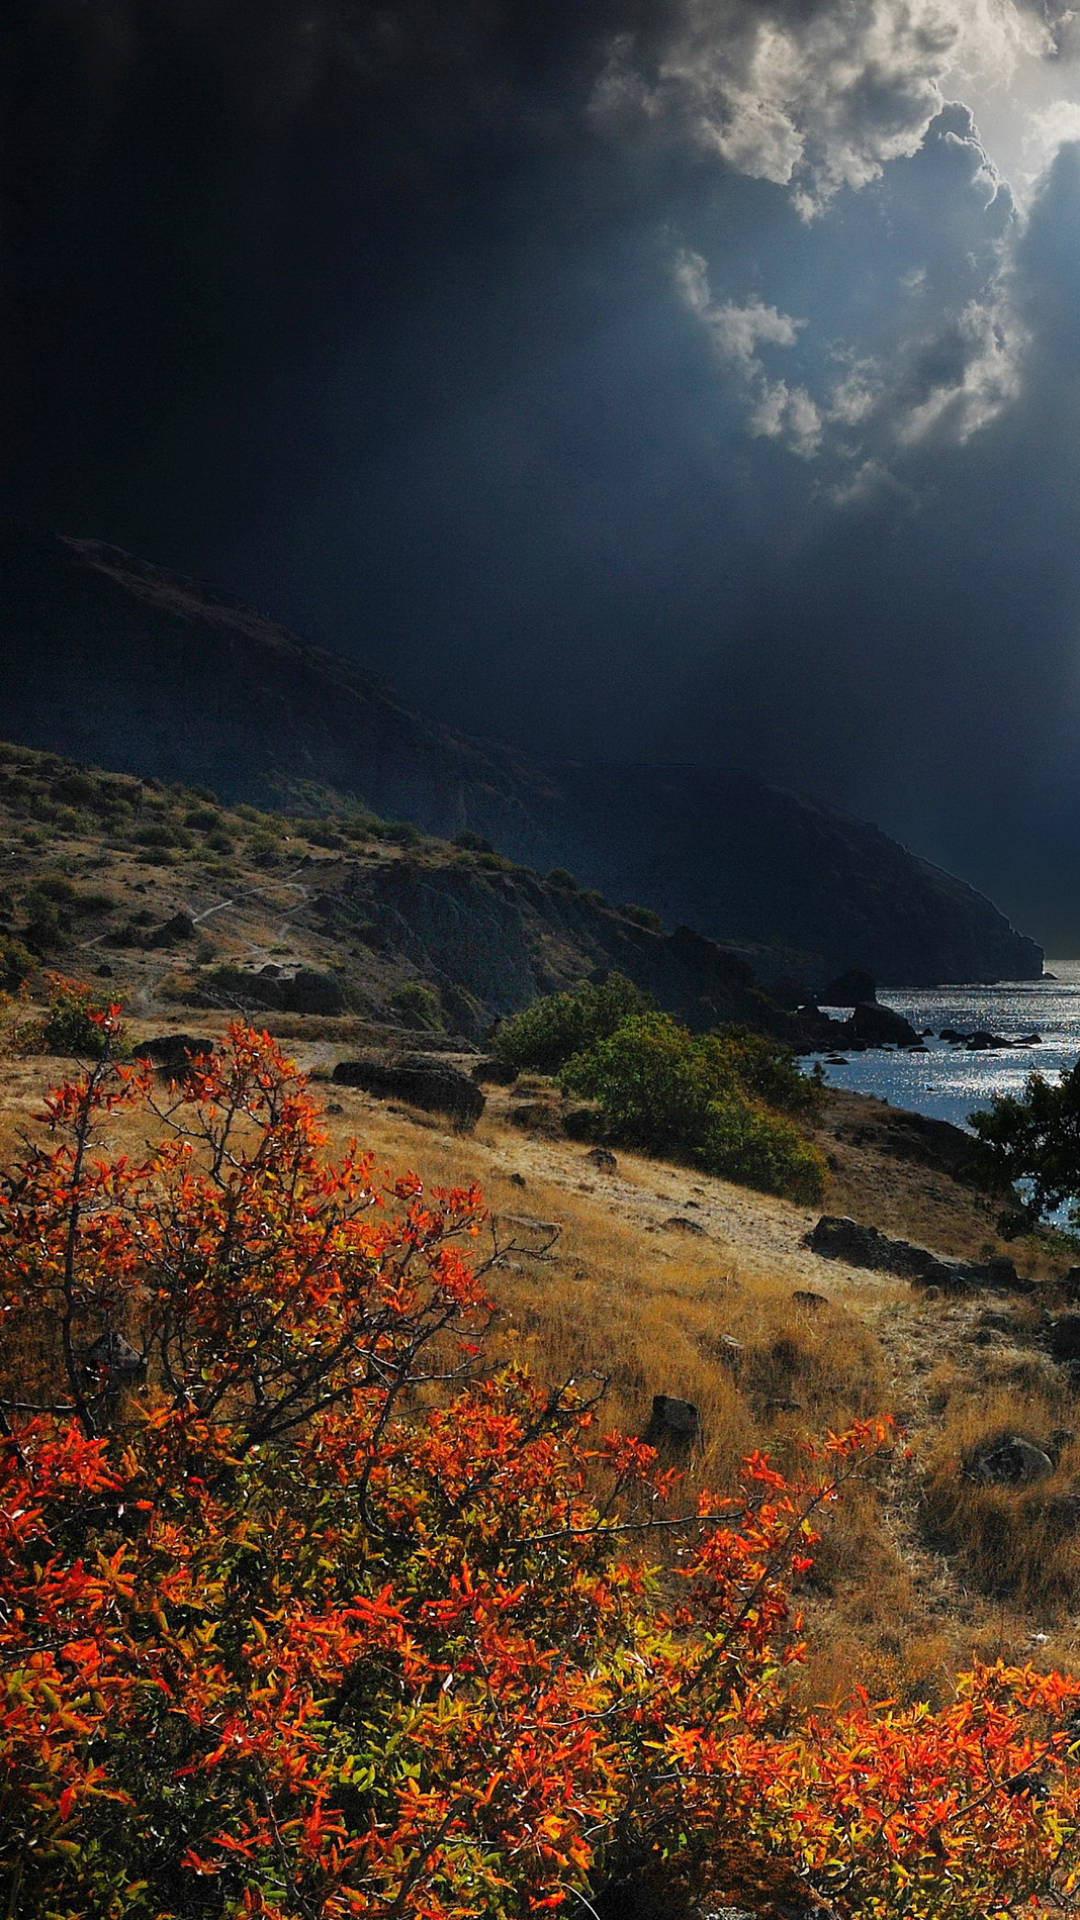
(76, 1024)
(324, 1618)
(692, 1097)
(548, 1034)
(1032, 1141)
(418, 1005)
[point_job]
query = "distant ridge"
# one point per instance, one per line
(112, 660)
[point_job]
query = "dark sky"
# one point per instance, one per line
(676, 379)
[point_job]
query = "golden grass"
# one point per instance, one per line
(908, 1578)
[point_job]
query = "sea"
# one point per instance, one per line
(949, 1083)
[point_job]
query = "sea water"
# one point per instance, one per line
(946, 1081)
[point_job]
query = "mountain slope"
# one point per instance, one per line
(111, 660)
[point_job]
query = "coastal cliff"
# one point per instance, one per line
(114, 661)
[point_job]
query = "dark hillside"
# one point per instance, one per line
(113, 661)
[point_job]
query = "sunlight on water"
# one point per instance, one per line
(946, 1081)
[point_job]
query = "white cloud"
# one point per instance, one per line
(816, 96)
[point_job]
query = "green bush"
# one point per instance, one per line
(669, 1092)
(552, 1030)
(559, 877)
(17, 963)
(417, 1005)
(73, 1025)
(643, 917)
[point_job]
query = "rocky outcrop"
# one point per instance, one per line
(674, 1425)
(419, 1080)
(836, 1237)
(113, 661)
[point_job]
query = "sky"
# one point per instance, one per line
(690, 380)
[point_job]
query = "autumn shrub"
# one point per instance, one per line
(669, 1092)
(544, 1037)
(321, 1619)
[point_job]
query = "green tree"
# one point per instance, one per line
(1032, 1140)
(546, 1035)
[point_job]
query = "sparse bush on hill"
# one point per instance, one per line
(667, 1091)
(76, 1023)
(418, 1005)
(642, 917)
(546, 1035)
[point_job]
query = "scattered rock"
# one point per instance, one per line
(172, 1052)
(836, 1060)
(1010, 1460)
(180, 927)
(678, 1223)
(494, 1073)
(810, 1302)
(1064, 1339)
(836, 1237)
(674, 1425)
(422, 1080)
(111, 1360)
(518, 1180)
(603, 1158)
(851, 989)
(984, 1042)
(1030, 1040)
(878, 1025)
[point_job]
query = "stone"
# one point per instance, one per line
(603, 1158)
(172, 1053)
(850, 989)
(880, 1025)
(495, 1073)
(518, 1180)
(419, 1079)
(674, 1425)
(1001, 1272)
(111, 1360)
(984, 1042)
(1010, 1460)
(678, 1223)
(810, 1302)
(180, 927)
(1064, 1339)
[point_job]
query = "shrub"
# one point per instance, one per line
(667, 1091)
(402, 832)
(643, 917)
(417, 1005)
(559, 877)
(76, 1024)
(17, 963)
(546, 1035)
(470, 842)
(315, 1634)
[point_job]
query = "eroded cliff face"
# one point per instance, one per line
(114, 661)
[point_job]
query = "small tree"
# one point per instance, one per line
(1032, 1141)
(546, 1035)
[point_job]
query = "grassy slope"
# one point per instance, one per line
(905, 1581)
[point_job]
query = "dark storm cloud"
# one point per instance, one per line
(652, 376)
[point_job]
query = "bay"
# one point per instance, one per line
(948, 1082)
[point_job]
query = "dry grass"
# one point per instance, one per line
(917, 1565)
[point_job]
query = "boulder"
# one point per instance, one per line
(985, 1042)
(835, 1237)
(172, 1052)
(850, 989)
(496, 1073)
(603, 1158)
(111, 1360)
(678, 1223)
(674, 1425)
(808, 1301)
(1065, 1337)
(180, 927)
(420, 1079)
(880, 1026)
(1010, 1460)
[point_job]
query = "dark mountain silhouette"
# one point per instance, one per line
(111, 660)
